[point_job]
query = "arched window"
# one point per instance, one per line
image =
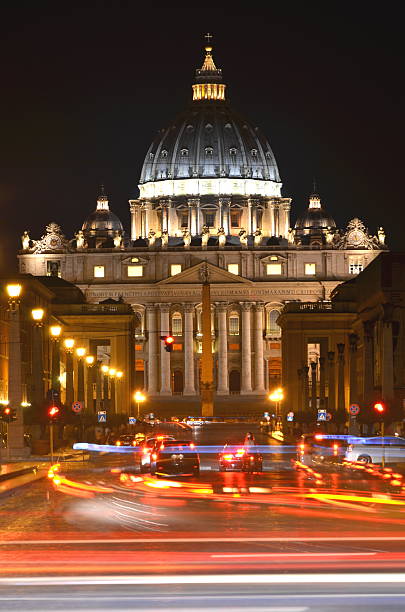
(164, 153)
(273, 328)
(234, 324)
(184, 152)
(177, 324)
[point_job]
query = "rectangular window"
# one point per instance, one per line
(98, 271)
(199, 347)
(273, 268)
(233, 326)
(235, 218)
(209, 219)
(184, 218)
(53, 268)
(355, 268)
(175, 269)
(177, 326)
(233, 268)
(310, 269)
(135, 271)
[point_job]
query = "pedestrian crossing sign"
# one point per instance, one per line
(102, 416)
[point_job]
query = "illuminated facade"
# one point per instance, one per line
(210, 191)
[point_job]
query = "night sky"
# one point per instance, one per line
(85, 86)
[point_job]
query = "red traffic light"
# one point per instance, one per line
(53, 412)
(379, 407)
(169, 339)
(7, 411)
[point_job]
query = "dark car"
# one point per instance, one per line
(130, 440)
(175, 458)
(240, 459)
(321, 448)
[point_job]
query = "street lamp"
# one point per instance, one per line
(90, 375)
(139, 398)
(37, 357)
(80, 352)
(55, 331)
(13, 292)
(277, 396)
(69, 344)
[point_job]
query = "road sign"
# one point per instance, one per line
(354, 409)
(102, 416)
(290, 416)
(322, 416)
(77, 407)
(132, 420)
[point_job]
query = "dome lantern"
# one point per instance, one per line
(209, 84)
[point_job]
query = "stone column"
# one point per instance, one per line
(152, 349)
(225, 203)
(165, 216)
(223, 378)
(300, 389)
(165, 387)
(249, 217)
(331, 382)
(387, 369)
(148, 210)
(313, 385)
(193, 205)
(253, 216)
(305, 371)
(136, 219)
(258, 335)
(189, 384)
(341, 376)
(353, 338)
(246, 374)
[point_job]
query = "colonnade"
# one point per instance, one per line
(252, 362)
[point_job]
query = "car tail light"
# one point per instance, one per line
(162, 446)
(318, 437)
(240, 451)
(192, 445)
(302, 447)
(118, 443)
(146, 450)
(228, 457)
(134, 443)
(154, 456)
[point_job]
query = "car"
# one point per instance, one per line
(148, 447)
(175, 458)
(129, 440)
(321, 448)
(372, 450)
(240, 458)
(193, 421)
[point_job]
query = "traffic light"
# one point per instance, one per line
(379, 407)
(53, 413)
(8, 414)
(168, 340)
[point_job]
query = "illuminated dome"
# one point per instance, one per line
(102, 221)
(209, 148)
(315, 217)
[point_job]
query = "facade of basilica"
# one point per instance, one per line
(210, 193)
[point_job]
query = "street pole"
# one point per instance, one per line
(137, 403)
(51, 440)
(383, 447)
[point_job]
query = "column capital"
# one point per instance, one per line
(193, 202)
(134, 205)
(259, 306)
(221, 306)
(224, 200)
(246, 306)
(164, 307)
(189, 307)
(150, 307)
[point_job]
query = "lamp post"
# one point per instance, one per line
(37, 357)
(112, 373)
(80, 352)
(15, 441)
(69, 344)
(277, 396)
(139, 398)
(104, 368)
(55, 332)
(90, 370)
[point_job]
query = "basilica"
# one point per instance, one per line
(210, 197)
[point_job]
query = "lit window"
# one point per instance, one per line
(177, 324)
(135, 270)
(273, 268)
(355, 268)
(183, 218)
(254, 152)
(184, 152)
(199, 347)
(310, 269)
(234, 324)
(272, 326)
(177, 347)
(175, 269)
(233, 268)
(98, 271)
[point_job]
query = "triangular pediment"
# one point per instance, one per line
(193, 275)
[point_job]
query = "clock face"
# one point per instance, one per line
(53, 242)
(355, 236)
